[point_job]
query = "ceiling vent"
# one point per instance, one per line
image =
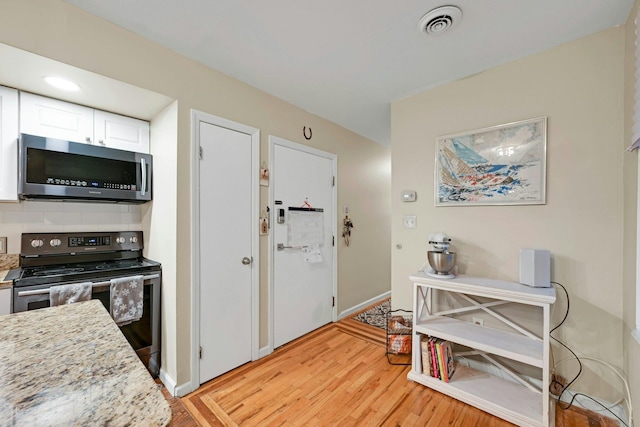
(440, 20)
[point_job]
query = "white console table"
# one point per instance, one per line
(516, 399)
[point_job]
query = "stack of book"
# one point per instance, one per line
(437, 358)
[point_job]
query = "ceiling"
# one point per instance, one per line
(97, 91)
(347, 61)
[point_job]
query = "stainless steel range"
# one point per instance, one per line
(50, 259)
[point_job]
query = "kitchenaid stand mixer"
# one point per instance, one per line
(442, 262)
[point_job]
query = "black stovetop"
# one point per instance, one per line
(39, 275)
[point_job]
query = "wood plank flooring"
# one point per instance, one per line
(338, 375)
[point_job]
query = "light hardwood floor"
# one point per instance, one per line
(337, 375)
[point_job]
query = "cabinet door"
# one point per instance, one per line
(51, 118)
(8, 144)
(5, 301)
(121, 132)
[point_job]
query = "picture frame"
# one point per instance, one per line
(497, 165)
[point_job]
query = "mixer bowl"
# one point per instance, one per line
(441, 262)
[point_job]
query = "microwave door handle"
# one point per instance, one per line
(143, 166)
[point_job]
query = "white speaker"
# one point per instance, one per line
(535, 268)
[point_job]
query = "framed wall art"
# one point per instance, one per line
(498, 165)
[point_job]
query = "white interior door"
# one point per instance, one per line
(303, 266)
(226, 248)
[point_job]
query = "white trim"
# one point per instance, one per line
(174, 390)
(196, 118)
(184, 389)
(168, 382)
(634, 139)
(638, 248)
(273, 141)
(356, 308)
(636, 335)
(265, 351)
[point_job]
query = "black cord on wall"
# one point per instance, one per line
(566, 387)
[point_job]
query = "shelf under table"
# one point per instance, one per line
(502, 343)
(497, 396)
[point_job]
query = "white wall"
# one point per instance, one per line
(49, 217)
(160, 218)
(59, 31)
(630, 167)
(579, 87)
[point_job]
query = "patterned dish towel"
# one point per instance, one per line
(127, 299)
(68, 294)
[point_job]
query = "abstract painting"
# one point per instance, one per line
(498, 165)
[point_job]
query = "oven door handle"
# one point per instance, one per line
(95, 285)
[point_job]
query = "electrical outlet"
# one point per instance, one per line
(478, 321)
(558, 383)
(410, 221)
(3, 245)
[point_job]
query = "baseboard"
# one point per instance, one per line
(173, 389)
(186, 388)
(265, 351)
(363, 305)
(588, 404)
(168, 382)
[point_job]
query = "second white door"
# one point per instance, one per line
(226, 247)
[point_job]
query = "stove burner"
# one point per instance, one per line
(58, 271)
(117, 264)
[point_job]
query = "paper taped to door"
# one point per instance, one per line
(312, 254)
(305, 228)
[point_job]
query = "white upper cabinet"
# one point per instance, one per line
(51, 118)
(48, 117)
(124, 133)
(8, 144)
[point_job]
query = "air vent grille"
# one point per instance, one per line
(440, 20)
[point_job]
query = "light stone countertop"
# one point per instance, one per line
(71, 366)
(7, 262)
(5, 283)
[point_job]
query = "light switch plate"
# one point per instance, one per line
(3, 245)
(410, 221)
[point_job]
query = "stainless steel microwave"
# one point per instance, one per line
(63, 170)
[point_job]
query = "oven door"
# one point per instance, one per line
(143, 334)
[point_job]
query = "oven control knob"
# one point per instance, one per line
(120, 240)
(36, 243)
(55, 242)
(133, 239)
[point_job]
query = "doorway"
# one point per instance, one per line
(225, 246)
(302, 247)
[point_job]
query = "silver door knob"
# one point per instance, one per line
(246, 261)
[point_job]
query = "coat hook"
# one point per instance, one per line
(304, 132)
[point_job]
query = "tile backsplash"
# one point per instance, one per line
(9, 261)
(51, 217)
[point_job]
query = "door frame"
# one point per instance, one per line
(273, 141)
(196, 118)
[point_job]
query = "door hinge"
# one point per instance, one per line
(333, 181)
(333, 301)
(200, 152)
(333, 240)
(200, 352)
